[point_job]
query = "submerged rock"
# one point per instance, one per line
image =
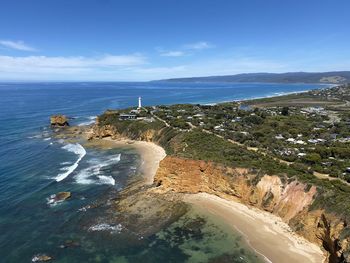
(145, 213)
(59, 197)
(70, 244)
(41, 258)
(59, 121)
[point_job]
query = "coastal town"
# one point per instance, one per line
(310, 130)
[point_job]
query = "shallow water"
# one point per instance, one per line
(34, 166)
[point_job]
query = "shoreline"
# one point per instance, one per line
(150, 154)
(264, 232)
(271, 96)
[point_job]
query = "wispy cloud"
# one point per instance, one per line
(17, 45)
(122, 67)
(173, 53)
(198, 45)
(44, 64)
(160, 71)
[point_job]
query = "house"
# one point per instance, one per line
(236, 119)
(199, 115)
(127, 117)
(279, 137)
(146, 119)
(316, 140)
(333, 136)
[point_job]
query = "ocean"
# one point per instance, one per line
(34, 166)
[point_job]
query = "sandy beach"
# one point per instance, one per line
(267, 234)
(150, 153)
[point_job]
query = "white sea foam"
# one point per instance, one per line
(106, 227)
(106, 179)
(94, 174)
(53, 201)
(66, 163)
(91, 120)
(78, 150)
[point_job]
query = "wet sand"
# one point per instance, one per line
(266, 233)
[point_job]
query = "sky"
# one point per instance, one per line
(129, 40)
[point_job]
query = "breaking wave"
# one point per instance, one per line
(78, 150)
(91, 120)
(94, 174)
(106, 227)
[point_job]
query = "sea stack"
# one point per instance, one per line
(59, 121)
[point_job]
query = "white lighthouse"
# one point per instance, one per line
(140, 105)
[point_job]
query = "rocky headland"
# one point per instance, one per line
(293, 201)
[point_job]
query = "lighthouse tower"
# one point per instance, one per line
(140, 105)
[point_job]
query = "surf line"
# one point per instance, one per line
(77, 149)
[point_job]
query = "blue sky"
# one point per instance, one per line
(155, 39)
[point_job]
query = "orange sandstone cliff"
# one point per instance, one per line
(289, 200)
(285, 197)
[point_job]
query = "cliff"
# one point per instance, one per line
(290, 200)
(300, 200)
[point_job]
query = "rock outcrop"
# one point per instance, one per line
(41, 258)
(59, 121)
(59, 198)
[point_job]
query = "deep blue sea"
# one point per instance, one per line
(31, 161)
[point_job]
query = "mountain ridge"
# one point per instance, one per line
(331, 77)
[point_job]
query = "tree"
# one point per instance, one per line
(313, 158)
(285, 111)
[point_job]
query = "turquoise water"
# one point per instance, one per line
(31, 162)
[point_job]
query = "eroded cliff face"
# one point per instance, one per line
(289, 200)
(110, 131)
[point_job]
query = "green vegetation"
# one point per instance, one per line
(304, 133)
(313, 139)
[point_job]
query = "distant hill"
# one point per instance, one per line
(336, 77)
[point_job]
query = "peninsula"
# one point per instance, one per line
(334, 77)
(280, 163)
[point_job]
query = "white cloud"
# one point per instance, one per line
(184, 50)
(43, 64)
(123, 67)
(108, 67)
(157, 71)
(174, 53)
(17, 45)
(137, 67)
(198, 45)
